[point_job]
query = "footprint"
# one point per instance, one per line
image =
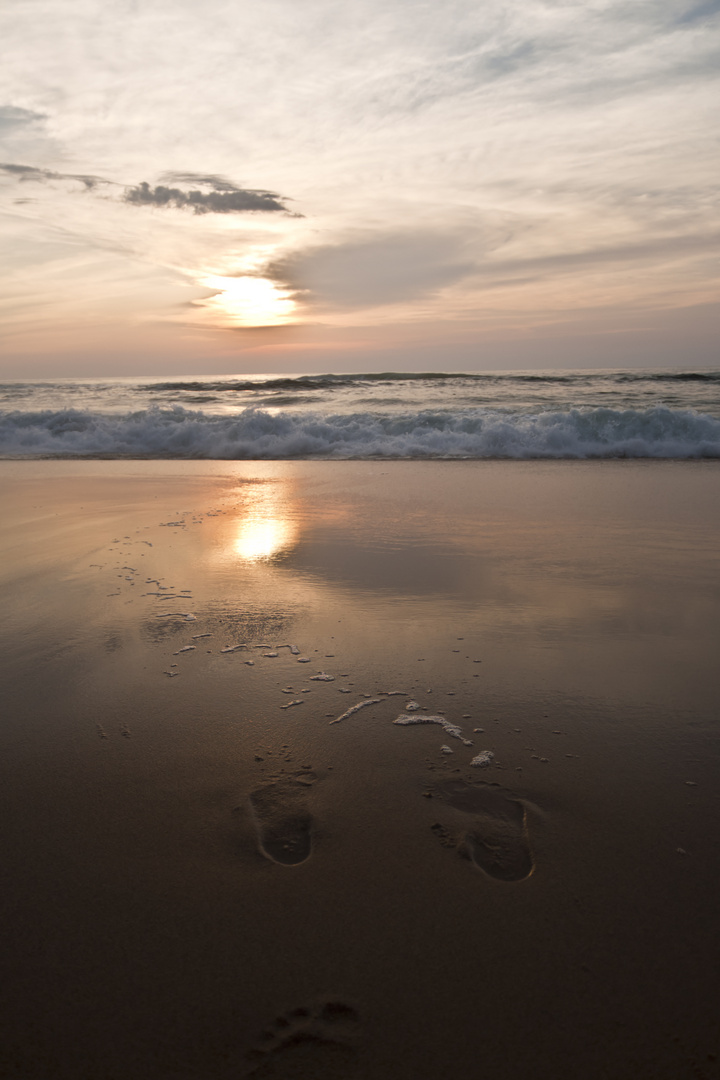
(306, 1043)
(283, 822)
(496, 836)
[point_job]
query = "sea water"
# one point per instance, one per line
(524, 415)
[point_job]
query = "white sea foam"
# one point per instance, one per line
(404, 720)
(356, 708)
(250, 433)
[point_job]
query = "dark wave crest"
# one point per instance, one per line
(329, 382)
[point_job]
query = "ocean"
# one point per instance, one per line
(489, 415)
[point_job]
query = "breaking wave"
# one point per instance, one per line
(253, 434)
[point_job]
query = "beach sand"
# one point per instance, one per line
(206, 876)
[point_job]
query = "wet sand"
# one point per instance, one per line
(223, 858)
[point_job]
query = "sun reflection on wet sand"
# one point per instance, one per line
(263, 530)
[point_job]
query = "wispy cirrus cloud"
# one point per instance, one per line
(25, 173)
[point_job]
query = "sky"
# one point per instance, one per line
(305, 185)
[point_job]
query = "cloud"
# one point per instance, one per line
(217, 183)
(24, 136)
(13, 117)
(656, 249)
(32, 172)
(374, 271)
(700, 12)
(223, 198)
(400, 128)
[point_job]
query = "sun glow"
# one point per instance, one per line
(263, 529)
(260, 540)
(248, 301)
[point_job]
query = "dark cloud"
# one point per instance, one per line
(377, 270)
(699, 12)
(28, 172)
(217, 183)
(223, 198)
(31, 172)
(655, 249)
(403, 267)
(12, 117)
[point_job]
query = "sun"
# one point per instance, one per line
(248, 301)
